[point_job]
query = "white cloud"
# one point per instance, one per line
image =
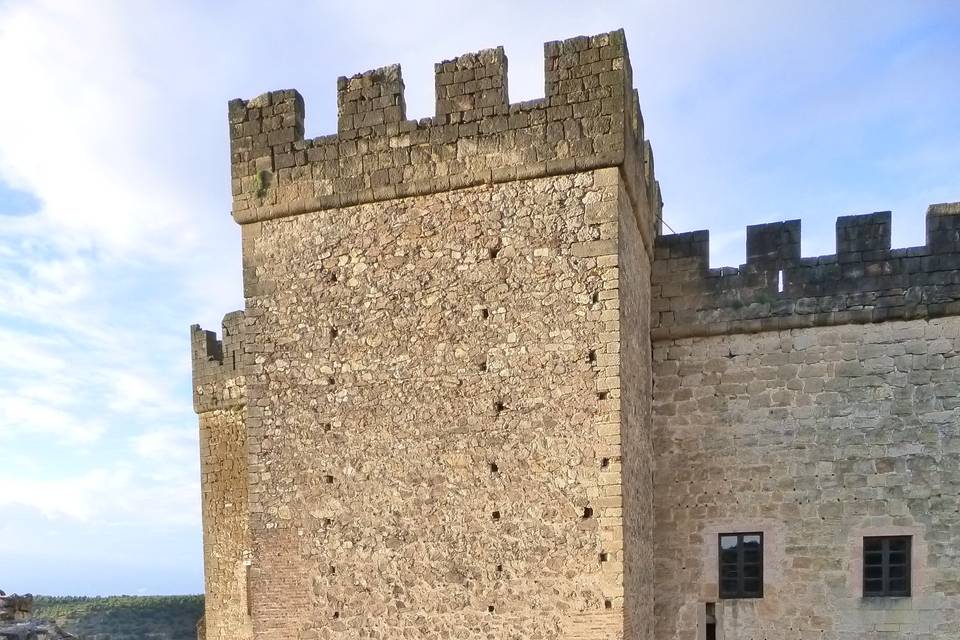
(20, 416)
(131, 390)
(93, 124)
(168, 444)
(109, 496)
(25, 352)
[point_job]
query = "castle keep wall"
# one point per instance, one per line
(440, 393)
(433, 379)
(815, 436)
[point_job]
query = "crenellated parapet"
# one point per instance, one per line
(218, 381)
(865, 281)
(589, 118)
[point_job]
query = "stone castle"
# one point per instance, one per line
(477, 393)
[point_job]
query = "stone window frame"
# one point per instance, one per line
(918, 558)
(775, 562)
(739, 593)
(885, 543)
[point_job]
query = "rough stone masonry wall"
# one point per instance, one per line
(816, 437)
(433, 414)
(438, 385)
(219, 398)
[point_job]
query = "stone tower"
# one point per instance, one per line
(438, 391)
(465, 337)
(219, 398)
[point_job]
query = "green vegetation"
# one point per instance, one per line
(124, 617)
(261, 180)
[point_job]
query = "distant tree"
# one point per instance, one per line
(124, 617)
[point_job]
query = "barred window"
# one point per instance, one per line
(741, 565)
(886, 566)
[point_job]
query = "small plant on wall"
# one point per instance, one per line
(261, 180)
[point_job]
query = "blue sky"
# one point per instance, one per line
(115, 232)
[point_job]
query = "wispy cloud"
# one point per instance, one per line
(167, 444)
(109, 496)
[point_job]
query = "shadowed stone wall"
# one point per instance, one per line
(637, 448)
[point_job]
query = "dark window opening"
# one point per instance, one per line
(711, 621)
(249, 590)
(886, 567)
(741, 565)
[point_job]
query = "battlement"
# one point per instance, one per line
(588, 118)
(864, 281)
(217, 365)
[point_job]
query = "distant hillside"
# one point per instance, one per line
(124, 617)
